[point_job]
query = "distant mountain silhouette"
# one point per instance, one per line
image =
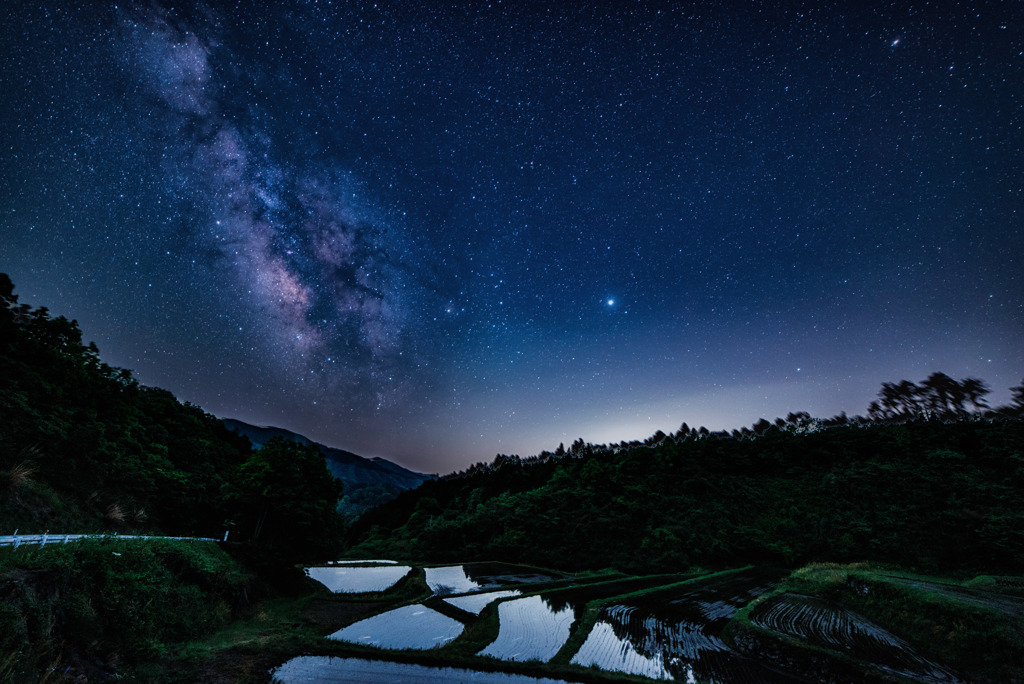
(368, 481)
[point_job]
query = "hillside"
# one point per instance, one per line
(945, 496)
(367, 482)
(86, 448)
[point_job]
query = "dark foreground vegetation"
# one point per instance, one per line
(93, 608)
(932, 482)
(85, 449)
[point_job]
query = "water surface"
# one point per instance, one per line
(355, 580)
(678, 635)
(474, 603)
(415, 627)
(451, 579)
(530, 629)
(328, 670)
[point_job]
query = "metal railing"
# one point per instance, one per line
(17, 540)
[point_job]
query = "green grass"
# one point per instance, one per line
(117, 602)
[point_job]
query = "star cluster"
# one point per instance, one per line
(433, 232)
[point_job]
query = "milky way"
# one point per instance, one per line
(317, 273)
(433, 234)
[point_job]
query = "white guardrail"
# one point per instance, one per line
(17, 540)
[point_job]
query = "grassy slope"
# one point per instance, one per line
(976, 632)
(108, 605)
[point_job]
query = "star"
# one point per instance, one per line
(339, 204)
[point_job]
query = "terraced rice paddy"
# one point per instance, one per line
(488, 575)
(530, 629)
(605, 649)
(415, 627)
(449, 580)
(327, 670)
(818, 622)
(355, 580)
(677, 637)
(474, 603)
(662, 627)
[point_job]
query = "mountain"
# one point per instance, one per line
(368, 482)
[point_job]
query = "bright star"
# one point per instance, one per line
(610, 302)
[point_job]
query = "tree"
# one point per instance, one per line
(938, 395)
(1018, 398)
(974, 391)
(286, 501)
(942, 394)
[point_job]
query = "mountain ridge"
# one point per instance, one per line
(368, 481)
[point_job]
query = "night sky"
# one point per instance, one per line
(435, 233)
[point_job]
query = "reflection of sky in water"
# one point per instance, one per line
(406, 627)
(357, 671)
(606, 650)
(449, 580)
(500, 574)
(349, 580)
(530, 630)
(679, 639)
(474, 603)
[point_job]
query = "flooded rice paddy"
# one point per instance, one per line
(474, 603)
(490, 575)
(416, 627)
(678, 636)
(451, 579)
(350, 579)
(605, 649)
(657, 627)
(459, 579)
(530, 629)
(327, 670)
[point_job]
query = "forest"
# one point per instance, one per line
(922, 482)
(931, 479)
(84, 448)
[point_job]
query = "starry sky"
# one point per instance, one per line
(433, 232)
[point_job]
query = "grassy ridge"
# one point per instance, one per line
(978, 633)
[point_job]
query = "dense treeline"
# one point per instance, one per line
(928, 492)
(86, 448)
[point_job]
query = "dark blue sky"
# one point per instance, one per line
(435, 233)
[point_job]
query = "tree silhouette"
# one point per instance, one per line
(1018, 398)
(974, 391)
(938, 395)
(942, 394)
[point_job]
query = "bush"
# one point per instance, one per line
(107, 604)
